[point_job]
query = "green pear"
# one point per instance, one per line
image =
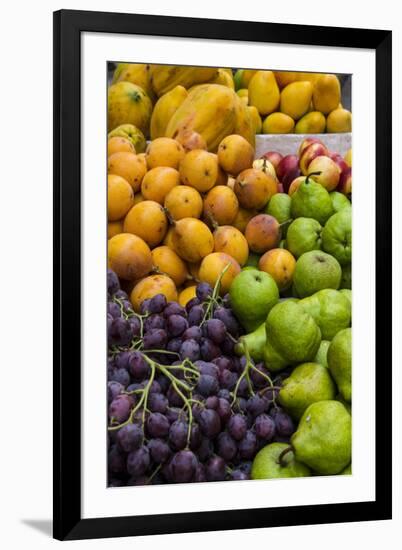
(254, 342)
(347, 293)
(279, 208)
(292, 336)
(323, 440)
(252, 260)
(308, 383)
(266, 464)
(330, 309)
(340, 362)
(346, 280)
(348, 406)
(311, 200)
(337, 236)
(282, 243)
(304, 234)
(316, 270)
(347, 471)
(252, 295)
(321, 356)
(339, 201)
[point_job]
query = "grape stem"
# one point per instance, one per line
(213, 300)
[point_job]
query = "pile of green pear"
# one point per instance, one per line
(305, 329)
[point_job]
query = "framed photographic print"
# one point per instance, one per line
(203, 281)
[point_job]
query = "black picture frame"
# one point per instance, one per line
(68, 26)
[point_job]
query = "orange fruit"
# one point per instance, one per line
(199, 169)
(280, 264)
(147, 219)
(164, 151)
(158, 182)
(183, 202)
(192, 239)
(129, 167)
(262, 233)
(117, 144)
(120, 197)
(187, 294)
(168, 262)
(213, 265)
(235, 154)
(150, 287)
(220, 205)
(254, 188)
(129, 256)
(114, 228)
(231, 241)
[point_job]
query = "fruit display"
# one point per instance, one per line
(229, 279)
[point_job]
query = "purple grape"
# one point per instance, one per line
(228, 346)
(195, 437)
(264, 427)
(113, 482)
(121, 295)
(129, 437)
(174, 345)
(137, 481)
(215, 469)
(157, 303)
(228, 379)
(242, 389)
(207, 385)
(205, 450)
(113, 309)
(226, 301)
(121, 376)
(137, 366)
(172, 414)
(144, 307)
(183, 466)
(257, 405)
(223, 362)
(237, 426)
(154, 321)
(120, 407)
(248, 445)
(191, 303)
(127, 306)
(193, 333)
(238, 475)
(135, 324)
(154, 387)
(121, 359)
(138, 461)
(113, 390)
(209, 350)
(157, 402)
(207, 368)
(224, 394)
(160, 451)
(224, 410)
(178, 435)
(284, 424)
(174, 398)
(176, 325)
(203, 291)
(190, 350)
(173, 308)
(240, 405)
(200, 475)
(195, 315)
(121, 331)
(226, 446)
(113, 284)
(155, 339)
(259, 378)
(245, 466)
(157, 425)
(116, 460)
(228, 319)
(212, 402)
(209, 422)
(215, 330)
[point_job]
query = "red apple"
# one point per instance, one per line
(288, 170)
(324, 171)
(294, 186)
(339, 160)
(345, 182)
(306, 142)
(280, 188)
(311, 152)
(274, 158)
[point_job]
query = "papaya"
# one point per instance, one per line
(213, 111)
(166, 77)
(133, 134)
(129, 104)
(136, 73)
(245, 124)
(263, 92)
(255, 118)
(224, 77)
(164, 109)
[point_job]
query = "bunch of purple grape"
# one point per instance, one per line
(182, 406)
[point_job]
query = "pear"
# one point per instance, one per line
(330, 309)
(308, 383)
(292, 336)
(304, 234)
(311, 200)
(339, 201)
(314, 271)
(279, 208)
(254, 342)
(323, 440)
(340, 362)
(347, 471)
(348, 293)
(346, 280)
(321, 356)
(337, 236)
(269, 464)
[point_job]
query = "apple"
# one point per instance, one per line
(306, 142)
(265, 166)
(311, 152)
(280, 188)
(294, 186)
(345, 182)
(324, 171)
(289, 162)
(339, 160)
(274, 158)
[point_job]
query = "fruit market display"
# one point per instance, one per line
(229, 283)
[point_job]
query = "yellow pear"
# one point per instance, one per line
(296, 99)
(164, 109)
(278, 123)
(339, 121)
(263, 92)
(246, 76)
(283, 78)
(327, 93)
(311, 123)
(255, 119)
